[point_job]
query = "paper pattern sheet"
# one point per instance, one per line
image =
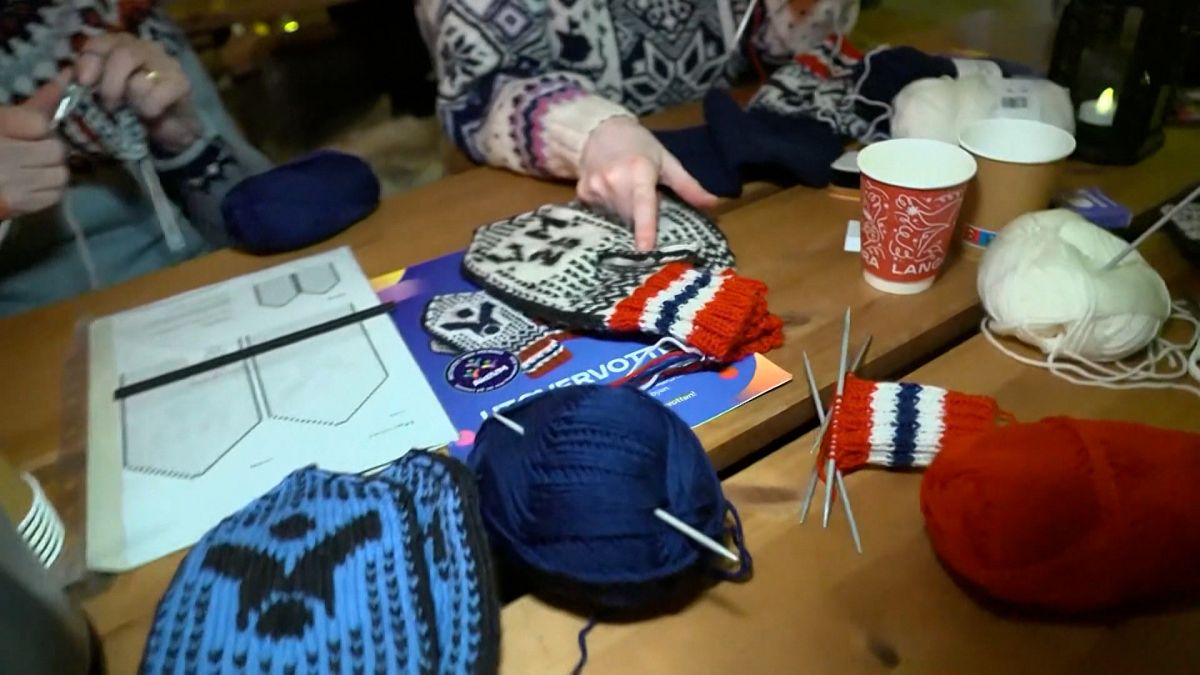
(166, 465)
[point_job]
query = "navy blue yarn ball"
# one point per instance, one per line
(300, 203)
(573, 499)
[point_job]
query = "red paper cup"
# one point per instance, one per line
(912, 190)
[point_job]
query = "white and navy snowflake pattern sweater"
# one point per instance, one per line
(521, 83)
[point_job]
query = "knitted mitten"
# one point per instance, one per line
(820, 86)
(1069, 515)
(457, 557)
(475, 320)
(902, 424)
(325, 573)
(569, 265)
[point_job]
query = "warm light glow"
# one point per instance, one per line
(1104, 104)
(261, 29)
(291, 26)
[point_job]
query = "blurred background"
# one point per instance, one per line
(356, 75)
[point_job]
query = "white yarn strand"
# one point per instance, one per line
(1161, 367)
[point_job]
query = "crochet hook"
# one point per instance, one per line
(1152, 229)
(830, 463)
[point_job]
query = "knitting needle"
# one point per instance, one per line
(1152, 229)
(67, 104)
(696, 535)
(741, 29)
(520, 430)
(830, 463)
(252, 351)
(811, 489)
(841, 482)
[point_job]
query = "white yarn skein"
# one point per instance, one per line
(939, 108)
(1040, 282)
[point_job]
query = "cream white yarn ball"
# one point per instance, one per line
(1040, 281)
(939, 108)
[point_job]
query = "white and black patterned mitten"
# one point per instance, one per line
(472, 321)
(570, 265)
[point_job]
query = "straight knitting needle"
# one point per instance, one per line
(1152, 229)
(695, 535)
(811, 488)
(508, 422)
(741, 29)
(830, 463)
(841, 486)
(862, 353)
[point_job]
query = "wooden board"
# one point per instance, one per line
(815, 606)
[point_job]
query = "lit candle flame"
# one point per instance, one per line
(1105, 103)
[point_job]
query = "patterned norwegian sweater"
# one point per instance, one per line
(521, 83)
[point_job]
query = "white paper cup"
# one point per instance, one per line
(912, 190)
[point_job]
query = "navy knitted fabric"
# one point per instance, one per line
(735, 146)
(300, 203)
(331, 573)
(571, 502)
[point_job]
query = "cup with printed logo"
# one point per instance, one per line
(912, 191)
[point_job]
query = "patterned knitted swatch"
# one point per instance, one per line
(570, 265)
(472, 321)
(902, 424)
(330, 573)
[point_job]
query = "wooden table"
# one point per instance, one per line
(790, 239)
(815, 606)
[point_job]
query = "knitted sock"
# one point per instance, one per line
(698, 151)
(574, 267)
(329, 573)
(902, 424)
(475, 320)
(1069, 515)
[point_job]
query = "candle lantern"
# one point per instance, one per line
(1119, 59)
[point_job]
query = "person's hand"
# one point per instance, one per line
(620, 169)
(129, 71)
(33, 163)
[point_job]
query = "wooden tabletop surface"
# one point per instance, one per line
(815, 606)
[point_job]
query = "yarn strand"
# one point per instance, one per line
(1180, 360)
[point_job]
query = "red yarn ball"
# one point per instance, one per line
(1069, 515)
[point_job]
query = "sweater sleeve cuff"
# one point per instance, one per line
(567, 127)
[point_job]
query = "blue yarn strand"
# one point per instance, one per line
(583, 652)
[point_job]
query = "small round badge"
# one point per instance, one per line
(482, 370)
